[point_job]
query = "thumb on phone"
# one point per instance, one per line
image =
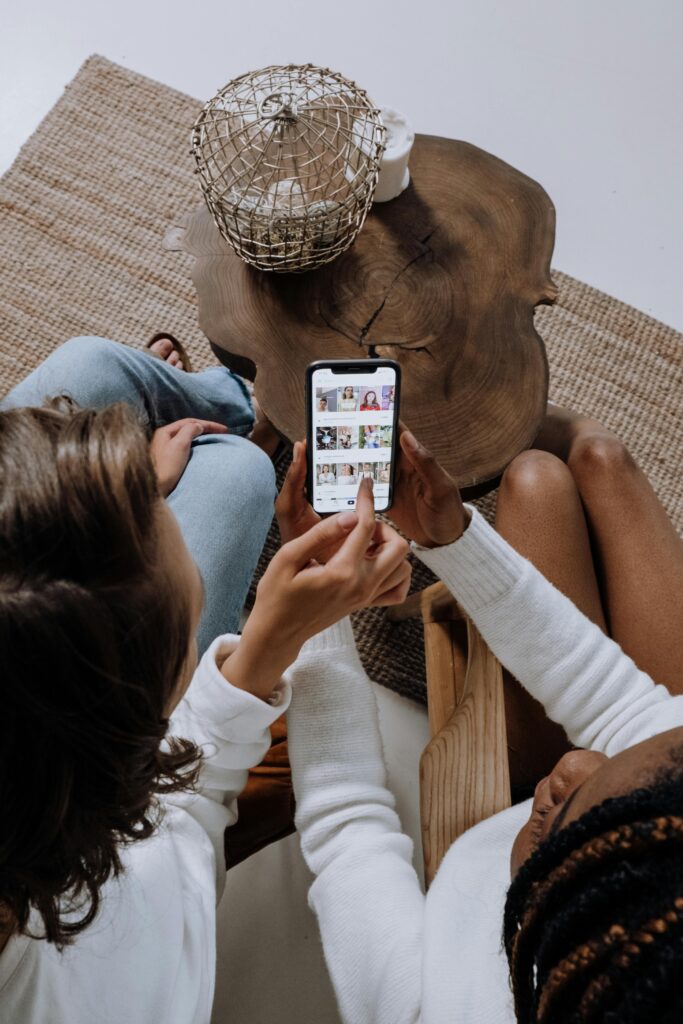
(423, 462)
(301, 550)
(291, 491)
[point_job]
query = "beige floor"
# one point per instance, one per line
(270, 962)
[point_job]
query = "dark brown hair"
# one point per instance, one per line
(93, 641)
(594, 918)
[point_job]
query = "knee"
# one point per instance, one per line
(85, 352)
(247, 467)
(84, 368)
(258, 473)
(535, 475)
(239, 469)
(90, 369)
(599, 454)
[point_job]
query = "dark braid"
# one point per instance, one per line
(594, 919)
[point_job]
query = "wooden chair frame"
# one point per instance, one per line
(464, 773)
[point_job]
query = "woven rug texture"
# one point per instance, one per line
(83, 211)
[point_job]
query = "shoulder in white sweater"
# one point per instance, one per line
(395, 956)
(150, 954)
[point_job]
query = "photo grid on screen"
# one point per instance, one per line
(353, 419)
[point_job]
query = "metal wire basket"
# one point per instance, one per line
(288, 160)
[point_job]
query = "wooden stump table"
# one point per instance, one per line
(444, 279)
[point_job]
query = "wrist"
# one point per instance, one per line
(258, 664)
(444, 541)
(165, 486)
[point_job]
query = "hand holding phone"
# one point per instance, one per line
(366, 556)
(295, 514)
(334, 567)
(427, 504)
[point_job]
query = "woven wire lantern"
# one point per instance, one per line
(288, 160)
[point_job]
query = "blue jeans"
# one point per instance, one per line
(224, 500)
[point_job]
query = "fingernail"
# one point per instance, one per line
(347, 520)
(411, 440)
(295, 454)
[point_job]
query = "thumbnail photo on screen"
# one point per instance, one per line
(325, 438)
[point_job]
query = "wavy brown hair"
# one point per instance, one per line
(93, 641)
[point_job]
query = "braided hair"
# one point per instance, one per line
(593, 924)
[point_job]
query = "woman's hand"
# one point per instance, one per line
(298, 595)
(427, 506)
(294, 512)
(170, 448)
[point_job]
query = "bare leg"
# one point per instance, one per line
(637, 552)
(539, 513)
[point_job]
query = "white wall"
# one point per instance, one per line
(585, 96)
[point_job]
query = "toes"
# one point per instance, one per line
(163, 348)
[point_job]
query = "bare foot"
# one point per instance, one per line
(166, 350)
(264, 434)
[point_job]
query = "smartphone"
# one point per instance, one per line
(352, 416)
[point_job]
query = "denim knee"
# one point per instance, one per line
(83, 356)
(95, 368)
(90, 370)
(230, 462)
(84, 347)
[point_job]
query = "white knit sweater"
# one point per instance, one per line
(396, 956)
(150, 955)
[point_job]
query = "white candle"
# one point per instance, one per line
(394, 175)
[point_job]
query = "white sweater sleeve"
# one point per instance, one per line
(366, 894)
(232, 728)
(583, 679)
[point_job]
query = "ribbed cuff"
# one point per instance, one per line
(478, 568)
(214, 698)
(332, 638)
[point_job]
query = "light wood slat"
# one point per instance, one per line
(464, 775)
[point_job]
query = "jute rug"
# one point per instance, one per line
(82, 214)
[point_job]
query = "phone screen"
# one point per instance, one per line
(353, 423)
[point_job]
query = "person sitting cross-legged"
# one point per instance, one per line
(121, 754)
(209, 442)
(564, 908)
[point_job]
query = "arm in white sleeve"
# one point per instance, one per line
(366, 894)
(232, 727)
(582, 677)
